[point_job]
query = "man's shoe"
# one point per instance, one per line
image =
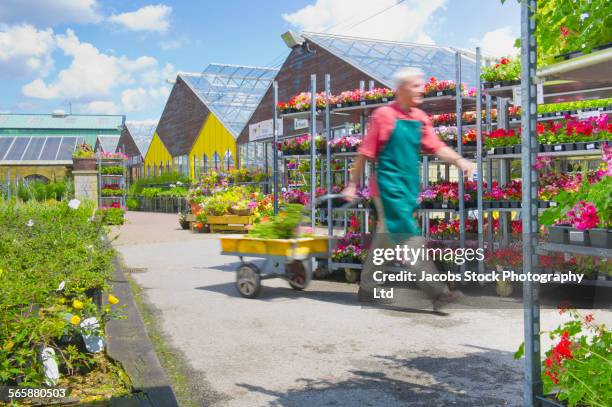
(444, 299)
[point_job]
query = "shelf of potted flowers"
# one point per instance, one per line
(435, 88)
(502, 74)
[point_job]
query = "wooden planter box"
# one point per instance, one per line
(84, 164)
(224, 223)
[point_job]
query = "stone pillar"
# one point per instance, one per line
(86, 185)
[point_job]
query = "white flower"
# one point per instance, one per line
(172, 186)
(30, 223)
(61, 286)
(74, 203)
(179, 183)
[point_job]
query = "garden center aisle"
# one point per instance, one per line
(317, 347)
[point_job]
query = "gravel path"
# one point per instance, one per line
(318, 347)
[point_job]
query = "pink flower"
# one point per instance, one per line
(583, 216)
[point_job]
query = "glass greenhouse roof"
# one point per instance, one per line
(108, 143)
(231, 92)
(38, 148)
(380, 59)
(142, 134)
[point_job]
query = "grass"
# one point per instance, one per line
(186, 382)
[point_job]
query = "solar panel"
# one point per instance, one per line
(66, 148)
(33, 151)
(17, 149)
(5, 143)
(50, 150)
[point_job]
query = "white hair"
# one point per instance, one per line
(405, 74)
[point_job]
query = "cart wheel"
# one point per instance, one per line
(248, 281)
(297, 275)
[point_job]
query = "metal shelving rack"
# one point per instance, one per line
(119, 180)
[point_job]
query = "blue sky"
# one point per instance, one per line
(114, 56)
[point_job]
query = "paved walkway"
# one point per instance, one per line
(318, 347)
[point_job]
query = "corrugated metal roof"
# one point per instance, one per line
(231, 92)
(380, 59)
(48, 121)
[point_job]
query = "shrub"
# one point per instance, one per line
(52, 257)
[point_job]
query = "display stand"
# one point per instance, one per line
(113, 179)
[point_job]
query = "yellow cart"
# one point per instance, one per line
(290, 259)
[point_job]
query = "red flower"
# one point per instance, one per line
(564, 31)
(504, 61)
(588, 318)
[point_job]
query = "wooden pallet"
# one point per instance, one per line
(229, 223)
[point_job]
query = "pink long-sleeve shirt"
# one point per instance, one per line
(382, 124)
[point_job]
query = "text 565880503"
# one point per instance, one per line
(8, 393)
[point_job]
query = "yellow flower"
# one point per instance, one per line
(77, 304)
(62, 300)
(9, 345)
(75, 319)
(112, 299)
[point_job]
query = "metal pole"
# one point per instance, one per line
(313, 157)
(489, 175)
(459, 109)
(533, 381)
(330, 229)
(425, 185)
(479, 159)
(275, 148)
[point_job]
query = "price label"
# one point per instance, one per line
(439, 93)
(576, 236)
(339, 105)
(558, 148)
(586, 115)
(444, 206)
(590, 146)
(385, 100)
(362, 103)
(553, 204)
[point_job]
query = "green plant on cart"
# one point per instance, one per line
(282, 226)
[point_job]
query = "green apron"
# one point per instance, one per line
(398, 177)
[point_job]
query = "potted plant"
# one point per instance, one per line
(578, 359)
(183, 222)
(83, 158)
(504, 73)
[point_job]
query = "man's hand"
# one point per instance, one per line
(350, 192)
(467, 166)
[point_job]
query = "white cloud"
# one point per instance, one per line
(171, 44)
(423, 38)
(499, 42)
(404, 22)
(24, 50)
(50, 12)
(99, 107)
(91, 75)
(148, 18)
(139, 99)
(144, 122)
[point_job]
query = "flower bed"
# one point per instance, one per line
(445, 195)
(54, 266)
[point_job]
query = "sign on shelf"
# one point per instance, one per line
(263, 130)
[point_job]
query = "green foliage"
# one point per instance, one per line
(282, 226)
(43, 245)
(579, 365)
(152, 192)
(83, 151)
(577, 105)
(221, 202)
(571, 25)
(132, 204)
(41, 191)
(112, 192)
(598, 193)
(164, 180)
(111, 216)
(112, 170)
(506, 70)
